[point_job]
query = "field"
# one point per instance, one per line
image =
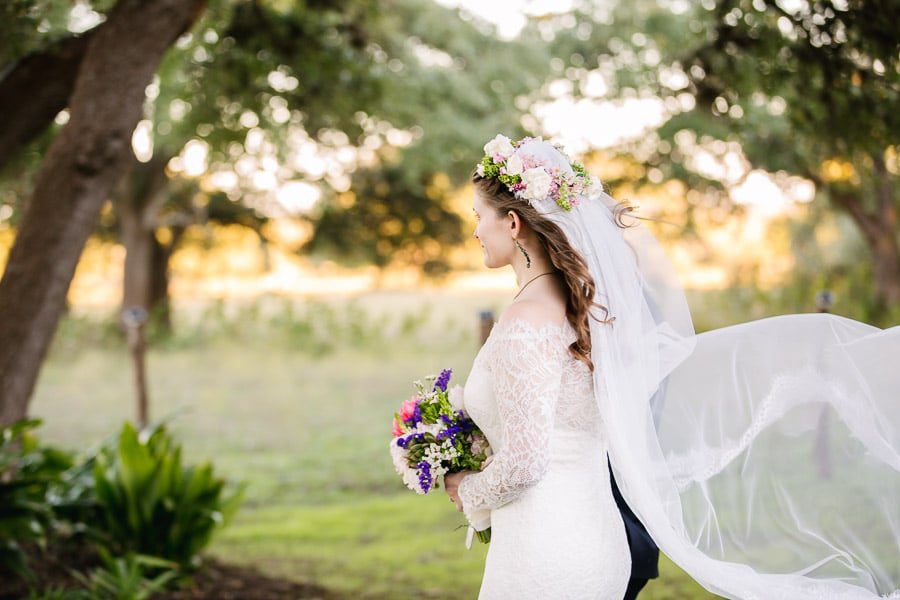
(298, 403)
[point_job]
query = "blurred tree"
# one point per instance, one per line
(216, 87)
(255, 86)
(457, 85)
(238, 78)
(80, 168)
(808, 89)
(404, 87)
(814, 90)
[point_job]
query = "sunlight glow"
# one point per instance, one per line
(82, 17)
(508, 16)
(195, 156)
(298, 196)
(585, 124)
(142, 141)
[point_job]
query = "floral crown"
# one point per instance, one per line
(536, 171)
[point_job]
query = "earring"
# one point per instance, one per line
(527, 258)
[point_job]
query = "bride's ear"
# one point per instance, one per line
(514, 222)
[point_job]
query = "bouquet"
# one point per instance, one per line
(433, 436)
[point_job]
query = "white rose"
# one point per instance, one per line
(514, 165)
(537, 183)
(480, 170)
(499, 145)
(455, 395)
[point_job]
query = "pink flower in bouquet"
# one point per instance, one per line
(397, 431)
(409, 409)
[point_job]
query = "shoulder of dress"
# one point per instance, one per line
(531, 326)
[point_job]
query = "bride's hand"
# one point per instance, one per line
(451, 486)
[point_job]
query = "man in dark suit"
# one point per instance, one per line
(644, 551)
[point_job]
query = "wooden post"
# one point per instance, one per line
(824, 301)
(485, 323)
(134, 319)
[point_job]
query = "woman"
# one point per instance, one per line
(547, 490)
(714, 438)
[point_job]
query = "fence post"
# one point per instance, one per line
(485, 323)
(824, 301)
(134, 319)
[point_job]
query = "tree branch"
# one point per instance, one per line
(45, 79)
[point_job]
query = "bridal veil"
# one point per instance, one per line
(764, 457)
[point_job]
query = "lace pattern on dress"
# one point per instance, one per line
(526, 363)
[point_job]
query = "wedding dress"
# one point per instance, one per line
(556, 531)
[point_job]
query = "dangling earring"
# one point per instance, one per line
(527, 258)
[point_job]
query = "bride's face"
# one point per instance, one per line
(494, 233)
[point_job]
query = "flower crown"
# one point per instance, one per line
(536, 171)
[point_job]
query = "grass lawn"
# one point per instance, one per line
(309, 432)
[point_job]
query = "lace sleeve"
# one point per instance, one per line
(526, 369)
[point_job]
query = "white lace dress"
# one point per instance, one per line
(555, 529)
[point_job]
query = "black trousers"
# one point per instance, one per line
(644, 552)
(634, 586)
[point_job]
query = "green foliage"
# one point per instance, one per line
(27, 25)
(152, 504)
(31, 482)
(59, 593)
(312, 328)
(128, 577)
(21, 516)
(390, 220)
(845, 55)
(439, 86)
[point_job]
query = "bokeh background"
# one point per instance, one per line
(289, 203)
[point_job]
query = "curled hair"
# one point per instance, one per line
(564, 258)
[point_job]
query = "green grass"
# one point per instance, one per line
(308, 430)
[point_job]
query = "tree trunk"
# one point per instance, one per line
(138, 200)
(77, 175)
(886, 267)
(880, 232)
(160, 301)
(885, 248)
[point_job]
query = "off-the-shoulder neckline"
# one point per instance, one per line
(514, 323)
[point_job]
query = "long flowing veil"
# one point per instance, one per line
(764, 457)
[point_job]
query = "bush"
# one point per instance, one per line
(151, 504)
(40, 494)
(128, 577)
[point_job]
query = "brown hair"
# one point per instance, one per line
(563, 257)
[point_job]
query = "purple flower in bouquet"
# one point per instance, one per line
(441, 382)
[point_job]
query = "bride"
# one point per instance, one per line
(763, 458)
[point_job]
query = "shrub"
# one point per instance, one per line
(152, 504)
(31, 493)
(127, 577)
